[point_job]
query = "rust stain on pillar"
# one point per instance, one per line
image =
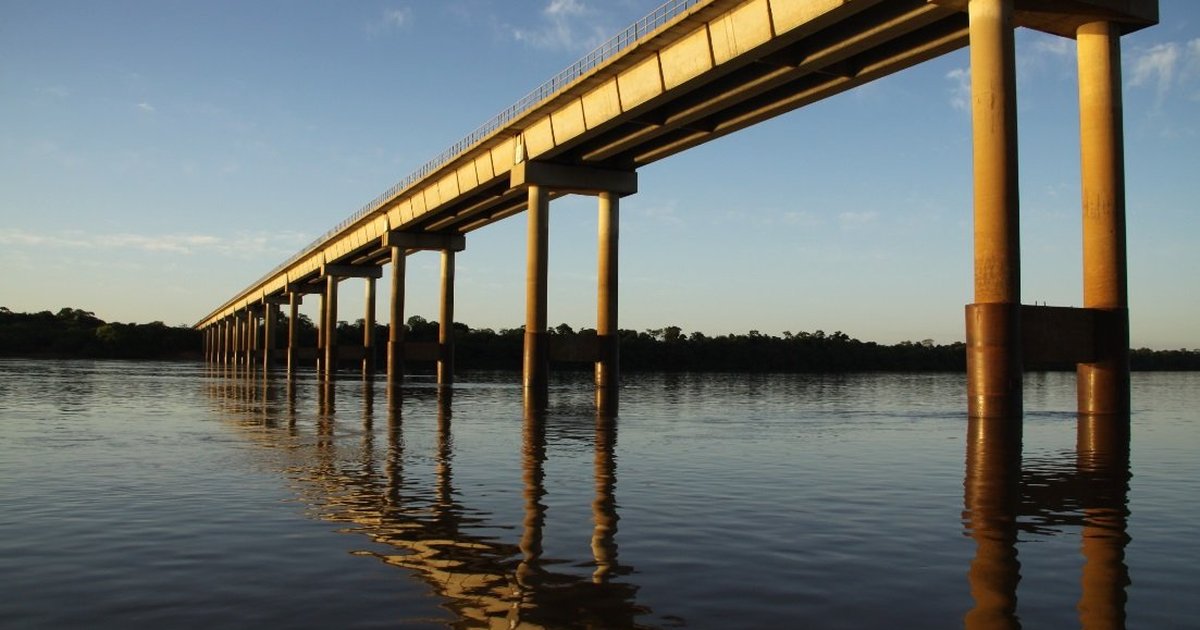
(1103, 385)
(536, 358)
(993, 321)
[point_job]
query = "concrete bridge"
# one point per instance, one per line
(693, 71)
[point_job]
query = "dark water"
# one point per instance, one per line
(139, 495)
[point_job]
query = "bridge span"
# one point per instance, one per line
(693, 71)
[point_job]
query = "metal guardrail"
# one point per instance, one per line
(609, 49)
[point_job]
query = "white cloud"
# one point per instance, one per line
(960, 89)
(565, 26)
(239, 245)
(1156, 67)
(390, 20)
(851, 220)
(146, 107)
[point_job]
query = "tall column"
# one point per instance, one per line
(445, 365)
(993, 325)
(224, 344)
(537, 356)
(330, 327)
(253, 341)
(293, 333)
(608, 361)
(395, 350)
(269, 326)
(1103, 385)
(321, 330)
(368, 364)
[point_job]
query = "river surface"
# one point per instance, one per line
(172, 495)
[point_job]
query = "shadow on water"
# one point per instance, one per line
(486, 581)
(1005, 497)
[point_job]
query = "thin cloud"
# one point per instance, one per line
(564, 27)
(1157, 67)
(146, 107)
(238, 245)
(390, 20)
(960, 88)
(852, 220)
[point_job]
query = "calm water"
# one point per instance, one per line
(139, 495)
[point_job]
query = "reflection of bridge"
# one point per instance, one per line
(1002, 499)
(486, 583)
(696, 70)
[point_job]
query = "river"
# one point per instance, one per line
(153, 495)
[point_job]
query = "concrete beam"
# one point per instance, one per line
(305, 289)
(276, 299)
(1064, 17)
(576, 179)
(351, 271)
(425, 240)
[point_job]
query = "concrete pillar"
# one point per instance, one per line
(445, 365)
(368, 364)
(269, 326)
(537, 356)
(1103, 385)
(608, 348)
(321, 329)
(253, 342)
(330, 327)
(993, 325)
(395, 350)
(293, 333)
(223, 343)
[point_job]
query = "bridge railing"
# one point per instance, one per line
(609, 49)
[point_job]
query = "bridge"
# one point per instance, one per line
(696, 70)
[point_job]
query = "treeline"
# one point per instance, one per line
(77, 333)
(73, 333)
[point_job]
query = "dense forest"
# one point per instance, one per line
(77, 333)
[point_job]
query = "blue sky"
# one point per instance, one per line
(158, 156)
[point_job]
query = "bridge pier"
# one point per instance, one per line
(368, 360)
(1103, 384)
(293, 332)
(539, 179)
(334, 274)
(445, 363)
(395, 349)
(993, 320)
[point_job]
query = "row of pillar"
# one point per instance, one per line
(236, 338)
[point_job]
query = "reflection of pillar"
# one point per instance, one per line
(991, 495)
(445, 454)
(293, 334)
(993, 327)
(604, 506)
(537, 356)
(1102, 455)
(395, 351)
(608, 359)
(533, 460)
(394, 466)
(330, 327)
(1104, 384)
(445, 364)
